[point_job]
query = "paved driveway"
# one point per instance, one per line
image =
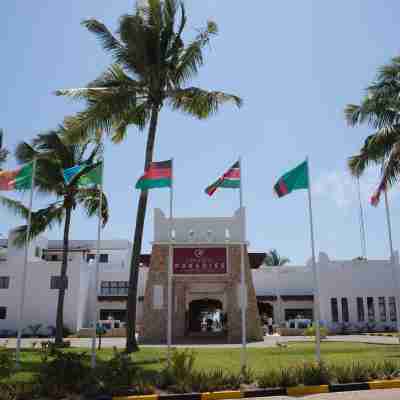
(387, 394)
(269, 341)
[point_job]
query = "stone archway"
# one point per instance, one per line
(198, 310)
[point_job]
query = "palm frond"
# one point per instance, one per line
(200, 103)
(15, 207)
(89, 199)
(42, 220)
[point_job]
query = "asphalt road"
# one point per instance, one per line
(386, 394)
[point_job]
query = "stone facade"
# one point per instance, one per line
(222, 287)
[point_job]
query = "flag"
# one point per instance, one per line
(295, 179)
(93, 177)
(230, 179)
(18, 179)
(374, 200)
(158, 175)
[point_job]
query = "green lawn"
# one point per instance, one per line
(259, 359)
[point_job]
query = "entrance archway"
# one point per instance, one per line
(205, 315)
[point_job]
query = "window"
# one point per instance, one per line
(370, 309)
(345, 309)
(54, 257)
(117, 315)
(334, 310)
(3, 312)
(360, 309)
(56, 283)
(4, 282)
(90, 257)
(392, 309)
(382, 309)
(104, 258)
(38, 252)
(303, 313)
(114, 288)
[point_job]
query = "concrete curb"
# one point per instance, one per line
(291, 391)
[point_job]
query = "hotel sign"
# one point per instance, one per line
(197, 260)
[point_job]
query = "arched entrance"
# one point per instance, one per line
(206, 316)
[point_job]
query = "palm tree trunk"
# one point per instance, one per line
(63, 278)
(131, 344)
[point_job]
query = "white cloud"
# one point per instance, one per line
(341, 188)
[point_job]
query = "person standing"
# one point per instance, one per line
(270, 326)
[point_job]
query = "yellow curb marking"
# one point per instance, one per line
(384, 384)
(305, 390)
(144, 397)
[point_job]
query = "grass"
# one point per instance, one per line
(259, 359)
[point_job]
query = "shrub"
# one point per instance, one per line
(315, 374)
(216, 380)
(121, 376)
(65, 373)
(310, 331)
(269, 379)
(6, 362)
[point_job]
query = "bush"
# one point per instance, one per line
(65, 373)
(120, 376)
(310, 331)
(6, 363)
(315, 374)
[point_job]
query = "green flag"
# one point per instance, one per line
(295, 179)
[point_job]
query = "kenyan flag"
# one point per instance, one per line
(295, 179)
(158, 175)
(18, 179)
(230, 179)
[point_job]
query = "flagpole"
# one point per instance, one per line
(96, 274)
(314, 267)
(392, 260)
(242, 273)
(24, 271)
(362, 223)
(170, 260)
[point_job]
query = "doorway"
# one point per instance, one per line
(206, 316)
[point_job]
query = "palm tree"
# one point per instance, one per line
(273, 258)
(53, 154)
(379, 109)
(152, 67)
(3, 152)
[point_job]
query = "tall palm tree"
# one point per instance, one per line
(152, 67)
(273, 258)
(379, 109)
(53, 154)
(3, 151)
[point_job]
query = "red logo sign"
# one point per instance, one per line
(195, 261)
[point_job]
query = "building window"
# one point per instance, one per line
(104, 258)
(54, 257)
(301, 313)
(114, 288)
(360, 309)
(334, 310)
(392, 309)
(345, 309)
(3, 312)
(382, 308)
(38, 252)
(370, 309)
(56, 282)
(4, 282)
(90, 257)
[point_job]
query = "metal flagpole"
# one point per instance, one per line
(362, 223)
(170, 260)
(96, 274)
(314, 266)
(243, 298)
(392, 260)
(24, 272)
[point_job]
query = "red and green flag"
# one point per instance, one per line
(158, 175)
(295, 179)
(18, 179)
(229, 180)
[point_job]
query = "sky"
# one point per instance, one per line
(295, 64)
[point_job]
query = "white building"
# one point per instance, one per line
(355, 294)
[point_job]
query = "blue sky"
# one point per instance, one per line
(296, 65)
